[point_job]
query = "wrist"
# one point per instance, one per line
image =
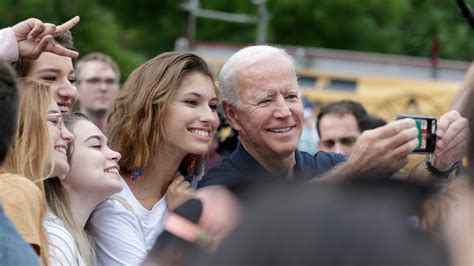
(437, 163)
(437, 170)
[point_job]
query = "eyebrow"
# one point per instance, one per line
(54, 70)
(263, 95)
(98, 137)
(293, 91)
(198, 95)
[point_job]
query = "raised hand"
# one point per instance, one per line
(178, 192)
(384, 150)
(452, 140)
(34, 37)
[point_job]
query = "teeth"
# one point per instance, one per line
(112, 170)
(202, 133)
(63, 108)
(281, 130)
(60, 149)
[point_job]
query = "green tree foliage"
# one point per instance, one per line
(133, 31)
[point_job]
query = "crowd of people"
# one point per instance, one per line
(125, 181)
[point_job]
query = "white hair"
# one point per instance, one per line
(242, 59)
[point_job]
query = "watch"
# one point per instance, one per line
(436, 172)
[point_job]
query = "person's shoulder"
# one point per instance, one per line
(57, 231)
(62, 247)
(18, 187)
(334, 158)
(225, 173)
(321, 161)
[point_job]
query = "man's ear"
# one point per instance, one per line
(231, 115)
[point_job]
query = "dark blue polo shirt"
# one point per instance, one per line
(240, 170)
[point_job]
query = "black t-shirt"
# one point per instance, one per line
(240, 170)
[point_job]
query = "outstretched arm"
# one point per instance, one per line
(379, 152)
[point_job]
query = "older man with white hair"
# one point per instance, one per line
(261, 99)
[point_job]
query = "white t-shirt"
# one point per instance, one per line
(123, 236)
(62, 247)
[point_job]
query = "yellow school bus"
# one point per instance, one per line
(382, 97)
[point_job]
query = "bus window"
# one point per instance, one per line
(341, 85)
(307, 82)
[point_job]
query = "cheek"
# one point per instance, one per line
(55, 88)
(298, 113)
(53, 133)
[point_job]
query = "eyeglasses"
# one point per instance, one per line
(56, 120)
(97, 81)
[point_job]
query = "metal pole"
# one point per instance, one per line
(191, 27)
(263, 17)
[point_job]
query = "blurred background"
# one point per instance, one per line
(340, 45)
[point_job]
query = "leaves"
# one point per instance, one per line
(134, 30)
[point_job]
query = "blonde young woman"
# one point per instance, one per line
(164, 115)
(93, 176)
(35, 154)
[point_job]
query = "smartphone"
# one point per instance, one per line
(426, 132)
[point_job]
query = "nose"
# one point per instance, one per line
(67, 91)
(114, 156)
(103, 86)
(208, 115)
(341, 148)
(66, 134)
(282, 110)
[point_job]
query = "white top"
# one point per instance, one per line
(8, 45)
(62, 247)
(123, 230)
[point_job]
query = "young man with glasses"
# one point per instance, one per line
(97, 82)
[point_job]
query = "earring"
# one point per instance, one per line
(136, 174)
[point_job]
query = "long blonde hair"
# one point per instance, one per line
(28, 155)
(59, 203)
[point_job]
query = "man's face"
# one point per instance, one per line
(270, 116)
(97, 87)
(338, 133)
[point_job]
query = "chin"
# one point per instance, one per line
(199, 150)
(60, 169)
(117, 188)
(285, 150)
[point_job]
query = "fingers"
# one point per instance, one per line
(394, 128)
(407, 137)
(459, 138)
(66, 26)
(59, 50)
(445, 120)
(45, 43)
(179, 184)
(37, 29)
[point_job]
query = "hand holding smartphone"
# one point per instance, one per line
(426, 126)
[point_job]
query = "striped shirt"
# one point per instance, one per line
(62, 247)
